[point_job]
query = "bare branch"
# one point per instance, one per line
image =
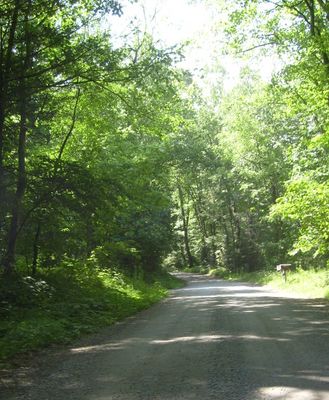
(69, 133)
(256, 47)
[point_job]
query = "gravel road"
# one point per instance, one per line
(212, 339)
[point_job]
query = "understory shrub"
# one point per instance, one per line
(62, 303)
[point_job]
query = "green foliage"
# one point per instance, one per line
(96, 116)
(295, 125)
(66, 302)
(112, 160)
(25, 291)
(230, 169)
(219, 272)
(251, 170)
(85, 203)
(312, 283)
(197, 269)
(305, 202)
(115, 255)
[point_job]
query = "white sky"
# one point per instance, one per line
(170, 20)
(177, 21)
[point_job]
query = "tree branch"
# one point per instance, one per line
(69, 133)
(256, 47)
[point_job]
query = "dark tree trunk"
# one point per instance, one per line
(185, 220)
(20, 190)
(36, 250)
(181, 247)
(5, 66)
(9, 259)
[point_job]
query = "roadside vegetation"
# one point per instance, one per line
(306, 283)
(309, 283)
(114, 163)
(59, 305)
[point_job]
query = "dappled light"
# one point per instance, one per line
(289, 393)
(213, 338)
(143, 137)
(223, 344)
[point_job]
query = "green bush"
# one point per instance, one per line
(196, 270)
(115, 255)
(24, 291)
(219, 272)
(63, 303)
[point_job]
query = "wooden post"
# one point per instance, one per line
(283, 268)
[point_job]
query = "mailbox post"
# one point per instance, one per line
(283, 268)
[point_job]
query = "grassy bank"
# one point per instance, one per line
(309, 283)
(62, 304)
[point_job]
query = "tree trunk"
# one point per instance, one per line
(9, 259)
(185, 219)
(5, 65)
(36, 250)
(20, 190)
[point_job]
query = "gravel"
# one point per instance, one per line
(213, 339)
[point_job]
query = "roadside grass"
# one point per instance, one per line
(65, 303)
(311, 283)
(308, 283)
(196, 270)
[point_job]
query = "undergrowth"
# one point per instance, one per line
(61, 304)
(312, 283)
(308, 283)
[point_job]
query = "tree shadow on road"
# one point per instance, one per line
(211, 340)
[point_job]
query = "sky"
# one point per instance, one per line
(170, 20)
(174, 22)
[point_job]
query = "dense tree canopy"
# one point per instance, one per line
(112, 156)
(81, 126)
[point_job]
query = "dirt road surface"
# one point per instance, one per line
(210, 340)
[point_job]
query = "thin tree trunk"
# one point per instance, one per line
(45, 197)
(69, 133)
(181, 248)
(185, 228)
(9, 259)
(203, 232)
(36, 250)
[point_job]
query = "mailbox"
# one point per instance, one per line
(283, 268)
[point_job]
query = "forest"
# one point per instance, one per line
(114, 164)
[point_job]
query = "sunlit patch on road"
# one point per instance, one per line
(289, 393)
(213, 340)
